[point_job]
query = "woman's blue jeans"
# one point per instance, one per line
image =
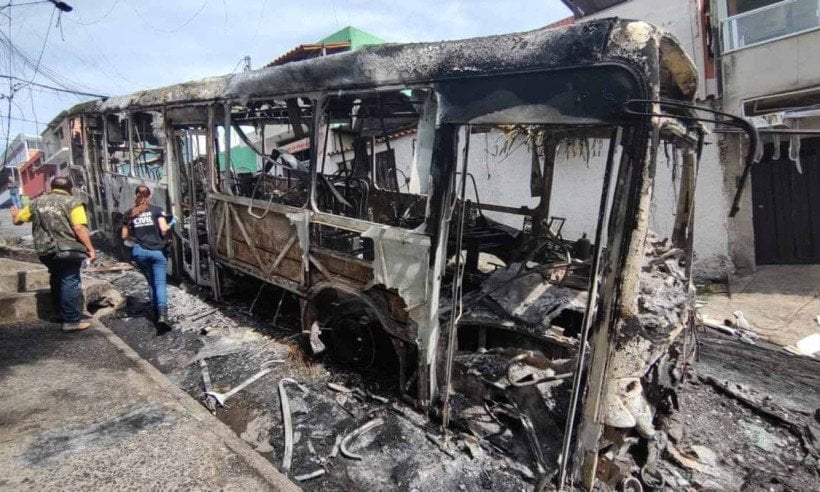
(153, 264)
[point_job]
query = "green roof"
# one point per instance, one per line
(356, 37)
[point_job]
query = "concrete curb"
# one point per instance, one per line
(266, 470)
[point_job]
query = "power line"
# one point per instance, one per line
(259, 21)
(43, 48)
(89, 59)
(245, 61)
(24, 120)
(164, 31)
(14, 88)
(23, 4)
(33, 111)
(33, 76)
(11, 94)
(43, 70)
(105, 16)
(237, 65)
(58, 89)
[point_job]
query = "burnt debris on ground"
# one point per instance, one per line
(398, 454)
(715, 439)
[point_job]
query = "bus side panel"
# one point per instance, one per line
(265, 247)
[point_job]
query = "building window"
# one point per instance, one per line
(734, 7)
(757, 21)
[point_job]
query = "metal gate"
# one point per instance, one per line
(787, 206)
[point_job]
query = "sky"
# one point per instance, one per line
(113, 47)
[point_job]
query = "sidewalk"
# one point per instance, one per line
(81, 411)
(781, 302)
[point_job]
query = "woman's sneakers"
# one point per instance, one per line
(76, 326)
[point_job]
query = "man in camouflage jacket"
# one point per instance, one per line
(62, 241)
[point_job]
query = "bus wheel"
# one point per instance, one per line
(351, 331)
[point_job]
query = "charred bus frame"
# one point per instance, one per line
(579, 80)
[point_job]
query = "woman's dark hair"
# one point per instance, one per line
(142, 200)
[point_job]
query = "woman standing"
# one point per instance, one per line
(145, 226)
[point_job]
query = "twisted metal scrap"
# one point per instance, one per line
(283, 399)
(356, 433)
(308, 476)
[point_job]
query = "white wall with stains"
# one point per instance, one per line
(504, 179)
(577, 187)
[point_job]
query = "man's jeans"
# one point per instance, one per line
(152, 264)
(66, 292)
(14, 193)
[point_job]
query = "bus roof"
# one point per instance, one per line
(589, 43)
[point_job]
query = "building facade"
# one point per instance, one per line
(758, 59)
(21, 151)
(35, 176)
(769, 67)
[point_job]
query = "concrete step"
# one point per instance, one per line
(25, 296)
(25, 306)
(18, 276)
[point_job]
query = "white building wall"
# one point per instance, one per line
(775, 67)
(504, 179)
(403, 148)
(577, 187)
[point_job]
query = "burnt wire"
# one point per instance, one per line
(729, 120)
(475, 191)
(406, 179)
(520, 383)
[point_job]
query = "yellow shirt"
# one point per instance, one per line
(77, 216)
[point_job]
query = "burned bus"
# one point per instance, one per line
(367, 198)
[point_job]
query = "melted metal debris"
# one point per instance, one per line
(529, 297)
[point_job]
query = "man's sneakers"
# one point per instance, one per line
(78, 326)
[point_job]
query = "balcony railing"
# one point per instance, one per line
(776, 21)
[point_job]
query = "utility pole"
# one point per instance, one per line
(246, 63)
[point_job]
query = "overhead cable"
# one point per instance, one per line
(58, 89)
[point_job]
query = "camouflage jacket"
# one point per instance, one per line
(51, 226)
